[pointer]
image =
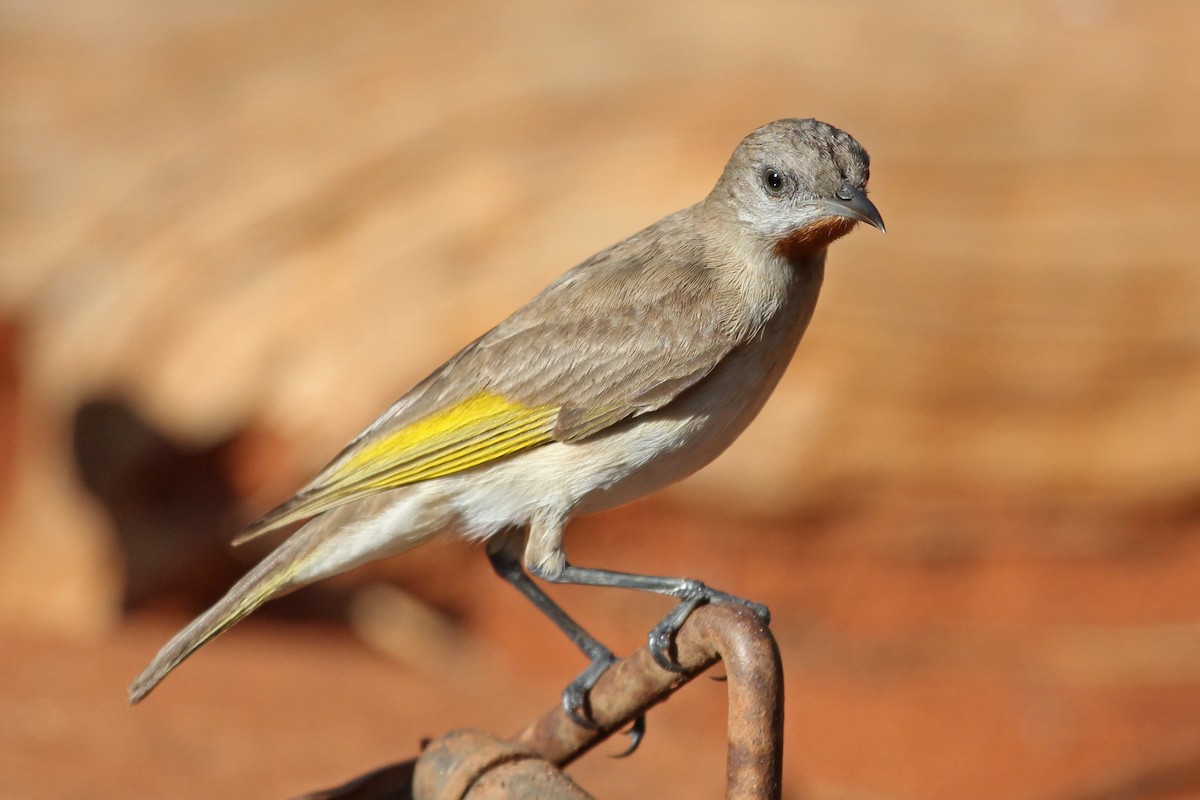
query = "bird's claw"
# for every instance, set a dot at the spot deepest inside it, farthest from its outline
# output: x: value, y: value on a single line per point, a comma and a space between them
x: 758, y: 609
x: 576, y: 704
x: 575, y: 697
x: 636, y: 732
x: 662, y: 636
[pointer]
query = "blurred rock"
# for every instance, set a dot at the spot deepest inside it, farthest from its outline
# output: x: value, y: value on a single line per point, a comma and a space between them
x: 58, y: 566
x: 172, y: 508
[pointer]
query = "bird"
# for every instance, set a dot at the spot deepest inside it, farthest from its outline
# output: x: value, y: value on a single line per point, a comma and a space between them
x: 629, y: 372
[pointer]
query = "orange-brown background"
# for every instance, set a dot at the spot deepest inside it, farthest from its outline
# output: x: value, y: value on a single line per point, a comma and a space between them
x: 231, y: 233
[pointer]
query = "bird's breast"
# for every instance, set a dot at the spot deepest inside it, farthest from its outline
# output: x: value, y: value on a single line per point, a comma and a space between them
x: 642, y: 454
x: 666, y: 445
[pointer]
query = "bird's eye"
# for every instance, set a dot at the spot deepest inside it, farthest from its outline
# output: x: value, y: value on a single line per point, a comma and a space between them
x: 773, y: 180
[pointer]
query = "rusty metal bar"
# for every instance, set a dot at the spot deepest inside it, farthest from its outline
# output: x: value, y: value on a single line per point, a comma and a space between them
x: 469, y: 765
x: 730, y: 634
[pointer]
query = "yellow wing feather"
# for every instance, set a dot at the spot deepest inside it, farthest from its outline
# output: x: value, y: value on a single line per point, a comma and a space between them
x: 479, y: 429
x: 482, y: 428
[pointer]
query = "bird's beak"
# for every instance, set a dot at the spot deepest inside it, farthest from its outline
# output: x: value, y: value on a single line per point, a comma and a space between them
x: 852, y: 203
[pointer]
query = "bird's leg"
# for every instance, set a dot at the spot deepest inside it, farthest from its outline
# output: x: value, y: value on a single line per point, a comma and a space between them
x: 504, y: 552
x: 692, y: 594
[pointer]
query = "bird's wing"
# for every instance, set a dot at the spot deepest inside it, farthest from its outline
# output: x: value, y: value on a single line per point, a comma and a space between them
x: 598, y: 346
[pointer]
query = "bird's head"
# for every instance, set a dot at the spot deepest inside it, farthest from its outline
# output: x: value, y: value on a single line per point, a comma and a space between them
x: 798, y: 184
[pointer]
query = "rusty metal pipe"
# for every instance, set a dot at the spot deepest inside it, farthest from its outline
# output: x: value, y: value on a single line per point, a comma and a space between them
x: 712, y: 633
x: 630, y: 687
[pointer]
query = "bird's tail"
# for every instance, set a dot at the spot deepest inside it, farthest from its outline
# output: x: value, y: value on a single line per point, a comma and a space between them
x: 273, y: 576
x: 384, y: 525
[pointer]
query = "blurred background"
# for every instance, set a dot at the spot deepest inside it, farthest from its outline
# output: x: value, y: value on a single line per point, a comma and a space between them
x: 232, y: 233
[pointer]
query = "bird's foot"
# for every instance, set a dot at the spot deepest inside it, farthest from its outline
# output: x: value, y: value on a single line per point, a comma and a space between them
x: 576, y: 703
x: 693, y: 595
x: 575, y: 697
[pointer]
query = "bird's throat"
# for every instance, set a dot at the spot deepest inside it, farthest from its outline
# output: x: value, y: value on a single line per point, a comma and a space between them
x: 804, y: 242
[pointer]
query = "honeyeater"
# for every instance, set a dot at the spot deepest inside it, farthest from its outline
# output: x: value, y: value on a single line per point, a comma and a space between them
x: 631, y: 371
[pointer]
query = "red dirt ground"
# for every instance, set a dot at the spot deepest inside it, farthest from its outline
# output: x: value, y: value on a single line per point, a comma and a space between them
x: 928, y: 654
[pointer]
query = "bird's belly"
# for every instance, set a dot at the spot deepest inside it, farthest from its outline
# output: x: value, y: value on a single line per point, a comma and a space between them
x: 626, y: 462
x: 657, y: 453
x: 668, y: 445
